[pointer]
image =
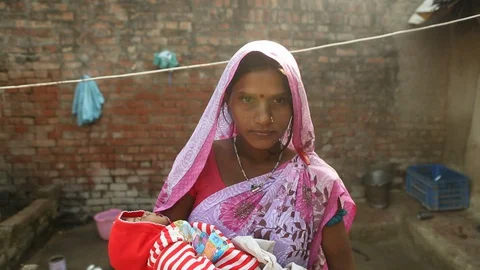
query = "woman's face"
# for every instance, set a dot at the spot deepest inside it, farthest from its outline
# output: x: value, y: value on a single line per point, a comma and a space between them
x: 261, y: 108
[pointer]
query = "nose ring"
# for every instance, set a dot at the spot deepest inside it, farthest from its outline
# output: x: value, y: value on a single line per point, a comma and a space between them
x: 271, y: 118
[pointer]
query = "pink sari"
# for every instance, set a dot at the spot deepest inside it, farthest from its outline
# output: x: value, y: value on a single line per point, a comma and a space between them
x: 294, y: 205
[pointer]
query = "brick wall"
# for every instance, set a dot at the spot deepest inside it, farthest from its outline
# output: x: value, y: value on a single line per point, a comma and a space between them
x: 357, y: 93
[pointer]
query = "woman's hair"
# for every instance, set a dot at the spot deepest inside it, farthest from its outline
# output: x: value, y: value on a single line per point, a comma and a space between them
x: 257, y: 61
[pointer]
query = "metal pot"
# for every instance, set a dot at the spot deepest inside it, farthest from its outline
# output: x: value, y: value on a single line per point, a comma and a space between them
x: 377, y: 188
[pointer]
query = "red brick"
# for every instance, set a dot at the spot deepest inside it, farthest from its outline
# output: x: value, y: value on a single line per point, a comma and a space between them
x: 71, y: 142
x: 19, y: 120
x: 120, y: 172
x: 41, y: 74
x: 39, y: 7
x: 122, y: 157
x: 19, y: 159
x: 4, y: 136
x: 142, y: 172
x: 44, y: 143
x: 132, y: 165
x: 98, y: 172
x: 101, y: 149
x: 133, y: 150
x: 61, y: 6
x: 72, y: 65
x: 346, y: 52
x: 21, y: 129
x: 186, y: 26
x: 3, y: 77
x: 69, y: 57
x: 46, y: 66
x: 73, y: 135
x: 23, y: 151
x: 143, y: 157
x: 375, y: 60
x: 63, y: 16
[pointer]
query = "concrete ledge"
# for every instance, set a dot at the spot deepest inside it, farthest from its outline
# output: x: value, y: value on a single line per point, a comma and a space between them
x: 449, y: 239
x: 49, y: 192
x: 24, y: 229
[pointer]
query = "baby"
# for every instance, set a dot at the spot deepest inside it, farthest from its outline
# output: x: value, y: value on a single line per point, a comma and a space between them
x: 144, y: 240
x: 147, y: 216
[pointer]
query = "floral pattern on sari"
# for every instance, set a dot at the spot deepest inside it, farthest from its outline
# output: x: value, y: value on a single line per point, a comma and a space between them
x: 237, y: 211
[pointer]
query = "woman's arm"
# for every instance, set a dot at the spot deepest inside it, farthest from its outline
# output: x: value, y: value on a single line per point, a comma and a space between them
x: 337, y: 248
x: 180, y: 210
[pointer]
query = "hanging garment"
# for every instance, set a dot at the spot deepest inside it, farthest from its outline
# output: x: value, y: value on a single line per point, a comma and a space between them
x: 87, y: 102
x: 165, y: 59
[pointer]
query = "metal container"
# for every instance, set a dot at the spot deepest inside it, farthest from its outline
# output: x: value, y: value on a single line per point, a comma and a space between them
x: 57, y: 262
x: 30, y: 267
x: 377, y: 188
x: 423, y: 215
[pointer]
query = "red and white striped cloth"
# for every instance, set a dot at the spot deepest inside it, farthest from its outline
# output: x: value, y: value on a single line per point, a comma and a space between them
x: 173, y: 251
x: 146, y: 245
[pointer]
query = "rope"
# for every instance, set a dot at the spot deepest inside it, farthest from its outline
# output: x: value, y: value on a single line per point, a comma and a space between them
x: 224, y: 62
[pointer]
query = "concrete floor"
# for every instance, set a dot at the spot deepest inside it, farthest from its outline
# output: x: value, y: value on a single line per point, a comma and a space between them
x: 394, y: 238
x: 391, y: 255
x: 81, y: 246
x: 381, y: 241
x: 377, y: 234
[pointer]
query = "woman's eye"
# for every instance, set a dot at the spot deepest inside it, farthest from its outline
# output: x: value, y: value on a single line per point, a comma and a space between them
x: 247, y: 99
x: 280, y: 100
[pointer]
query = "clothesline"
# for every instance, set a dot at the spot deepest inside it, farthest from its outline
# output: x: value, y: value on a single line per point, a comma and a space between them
x: 224, y: 62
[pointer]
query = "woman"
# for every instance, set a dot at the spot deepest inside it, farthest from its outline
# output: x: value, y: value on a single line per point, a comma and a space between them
x: 250, y: 167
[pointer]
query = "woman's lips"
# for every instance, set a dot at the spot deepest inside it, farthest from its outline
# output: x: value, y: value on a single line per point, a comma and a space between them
x: 262, y: 133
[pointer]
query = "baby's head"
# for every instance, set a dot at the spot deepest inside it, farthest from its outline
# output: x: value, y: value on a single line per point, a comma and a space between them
x: 150, y: 217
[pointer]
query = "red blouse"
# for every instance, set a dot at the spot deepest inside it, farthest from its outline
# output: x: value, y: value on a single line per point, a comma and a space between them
x: 208, y: 182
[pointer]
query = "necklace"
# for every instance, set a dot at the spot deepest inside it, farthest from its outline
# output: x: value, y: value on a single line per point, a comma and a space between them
x: 253, y: 187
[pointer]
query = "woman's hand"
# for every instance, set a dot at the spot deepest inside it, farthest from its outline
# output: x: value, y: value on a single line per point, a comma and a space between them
x: 337, y: 248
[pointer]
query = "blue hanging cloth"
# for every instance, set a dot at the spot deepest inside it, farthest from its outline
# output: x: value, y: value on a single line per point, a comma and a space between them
x: 166, y: 59
x: 87, y: 103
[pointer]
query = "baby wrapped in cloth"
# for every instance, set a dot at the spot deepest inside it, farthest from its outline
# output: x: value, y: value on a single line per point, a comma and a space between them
x: 143, y: 240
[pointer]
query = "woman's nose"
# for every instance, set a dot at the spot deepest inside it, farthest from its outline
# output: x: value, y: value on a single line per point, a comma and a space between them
x: 264, y: 116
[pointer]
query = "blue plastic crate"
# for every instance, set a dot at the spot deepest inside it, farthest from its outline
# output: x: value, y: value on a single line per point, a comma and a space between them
x: 437, y: 187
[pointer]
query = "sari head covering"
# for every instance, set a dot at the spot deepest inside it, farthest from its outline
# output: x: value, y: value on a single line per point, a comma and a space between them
x: 303, y: 195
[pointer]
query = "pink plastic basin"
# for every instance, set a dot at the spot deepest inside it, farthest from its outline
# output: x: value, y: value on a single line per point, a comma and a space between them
x: 104, y: 222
